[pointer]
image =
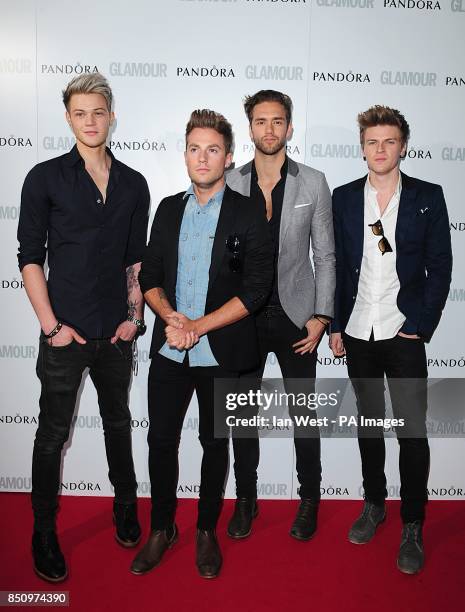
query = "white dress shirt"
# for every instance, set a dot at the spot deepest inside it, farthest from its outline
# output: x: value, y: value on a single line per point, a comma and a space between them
x: 375, y: 307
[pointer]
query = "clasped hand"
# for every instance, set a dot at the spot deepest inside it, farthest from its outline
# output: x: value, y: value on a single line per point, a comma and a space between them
x: 181, y: 332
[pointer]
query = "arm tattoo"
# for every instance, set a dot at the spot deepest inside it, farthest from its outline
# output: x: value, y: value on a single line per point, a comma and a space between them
x: 132, y: 308
x: 132, y: 279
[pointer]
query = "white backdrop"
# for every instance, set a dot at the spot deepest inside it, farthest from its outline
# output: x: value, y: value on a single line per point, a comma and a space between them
x: 165, y: 58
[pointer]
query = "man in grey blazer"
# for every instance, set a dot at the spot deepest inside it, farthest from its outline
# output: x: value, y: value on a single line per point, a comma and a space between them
x: 298, y: 208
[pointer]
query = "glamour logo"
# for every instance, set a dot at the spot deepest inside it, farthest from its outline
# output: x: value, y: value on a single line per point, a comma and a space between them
x: 58, y: 143
x: 80, y: 486
x: 453, y: 154
x: 342, y: 77
x: 13, y: 141
x: 392, y: 491
x: 344, y: 151
x: 457, y: 295
x: 17, y: 351
x: 205, y: 71
x: 18, y: 483
x: 87, y: 422
x: 137, y: 145
x: 457, y: 226
x: 138, y: 69
x: 15, y: 65
x: 18, y: 419
x: 68, y: 69
x: 347, y: 3
x: 411, y: 79
x: 457, y: 6
x: 9, y: 213
x: 429, y: 5
x: 274, y: 73
x: 272, y: 489
x: 455, y: 80
x: 14, y: 283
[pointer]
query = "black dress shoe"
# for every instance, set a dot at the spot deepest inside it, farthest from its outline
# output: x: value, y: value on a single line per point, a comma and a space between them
x: 127, y: 526
x: 208, y: 557
x: 49, y: 562
x: 304, y: 525
x: 240, y: 525
x: 152, y: 553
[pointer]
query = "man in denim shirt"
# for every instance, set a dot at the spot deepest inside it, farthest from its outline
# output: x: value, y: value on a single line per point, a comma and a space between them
x: 207, y: 268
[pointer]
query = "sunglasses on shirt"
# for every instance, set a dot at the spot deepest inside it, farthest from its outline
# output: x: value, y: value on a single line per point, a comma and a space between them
x: 383, y: 244
x: 233, y: 245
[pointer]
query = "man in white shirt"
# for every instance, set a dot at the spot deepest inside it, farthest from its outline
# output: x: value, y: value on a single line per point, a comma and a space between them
x: 393, y: 271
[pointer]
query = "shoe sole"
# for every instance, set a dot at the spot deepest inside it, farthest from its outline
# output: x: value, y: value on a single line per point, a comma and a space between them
x: 369, y: 540
x: 125, y: 543
x: 49, y: 578
x: 170, y: 545
x: 300, y: 538
x: 409, y: 572
x: 245, y: 535
x: 210, y: 576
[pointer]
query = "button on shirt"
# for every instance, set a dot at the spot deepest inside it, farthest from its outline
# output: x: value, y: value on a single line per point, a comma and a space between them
x: 277, y: 197
x: 89, y: 243
x: 196, y: 238
x: 375, y: 307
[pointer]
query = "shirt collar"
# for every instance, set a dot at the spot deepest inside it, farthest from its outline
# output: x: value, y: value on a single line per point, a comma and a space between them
x: 370, y: 190
x: 74, y: 157
x: 283, y: 171
x: 217, y: 198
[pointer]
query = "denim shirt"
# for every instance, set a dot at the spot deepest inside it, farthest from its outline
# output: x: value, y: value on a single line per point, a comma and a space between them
x: 196, y: 238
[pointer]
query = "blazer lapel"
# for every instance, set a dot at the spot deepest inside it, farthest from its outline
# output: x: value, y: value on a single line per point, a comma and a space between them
x: 179, y: 207
x: 291, y: 192
x: 406, y: 207
x: 354, y: 215
x: 224, y: 228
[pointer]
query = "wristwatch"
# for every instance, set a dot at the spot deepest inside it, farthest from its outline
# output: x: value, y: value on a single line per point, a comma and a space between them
x: 139, y: 323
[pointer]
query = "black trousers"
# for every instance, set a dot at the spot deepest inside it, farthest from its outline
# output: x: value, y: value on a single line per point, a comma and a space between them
x: 276, y: 334
x: 170, y: 390
x: 60, y: 370
x: 403, y: 360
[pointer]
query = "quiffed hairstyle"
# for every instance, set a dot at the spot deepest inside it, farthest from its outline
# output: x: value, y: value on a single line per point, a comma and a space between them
x: 205, y: 118
x: 268, y: 95
x: 383, y: 115
x: 94, y: 83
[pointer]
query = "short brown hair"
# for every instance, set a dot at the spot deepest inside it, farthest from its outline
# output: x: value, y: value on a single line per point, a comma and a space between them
x: 94, y: 83
x: 383, y: 115
x: 205, y: 118
x: 268, y: 95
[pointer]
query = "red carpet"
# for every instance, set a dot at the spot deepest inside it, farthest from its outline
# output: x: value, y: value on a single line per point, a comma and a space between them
x: 268, y: 571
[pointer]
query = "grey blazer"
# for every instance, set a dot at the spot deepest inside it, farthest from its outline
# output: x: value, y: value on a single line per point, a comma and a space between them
x: 306, y: 218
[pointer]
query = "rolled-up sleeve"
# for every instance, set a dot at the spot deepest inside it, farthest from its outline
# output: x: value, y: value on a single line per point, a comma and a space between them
x: 33, y: 219
x: 258, y: 262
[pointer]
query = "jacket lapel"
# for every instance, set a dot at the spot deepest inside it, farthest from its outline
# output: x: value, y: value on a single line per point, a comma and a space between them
x: 354, y: 215
x: 179, y: 206
x: 406, y: 207
x: 291, y: 192
x: 224, y: 228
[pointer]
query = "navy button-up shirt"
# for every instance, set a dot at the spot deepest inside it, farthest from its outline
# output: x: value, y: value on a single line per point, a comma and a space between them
x: 89, y: 243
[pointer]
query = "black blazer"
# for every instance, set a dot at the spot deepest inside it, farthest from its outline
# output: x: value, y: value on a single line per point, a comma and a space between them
x: 234, y: 346
x: 424, y: 255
